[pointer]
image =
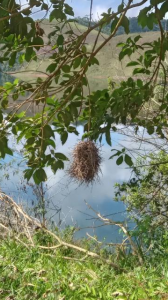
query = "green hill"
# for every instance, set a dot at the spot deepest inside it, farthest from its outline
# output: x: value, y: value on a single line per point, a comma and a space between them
x: 109, y: 66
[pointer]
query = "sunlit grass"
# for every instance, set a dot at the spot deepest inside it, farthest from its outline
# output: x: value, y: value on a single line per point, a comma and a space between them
x: 33, y: 273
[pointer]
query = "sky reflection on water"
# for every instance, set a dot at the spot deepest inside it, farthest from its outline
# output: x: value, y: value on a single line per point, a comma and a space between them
x: 69, y: 196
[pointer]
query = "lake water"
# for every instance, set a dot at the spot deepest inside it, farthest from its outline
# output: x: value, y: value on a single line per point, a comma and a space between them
x: 69, y: 198
x: 62, y: 193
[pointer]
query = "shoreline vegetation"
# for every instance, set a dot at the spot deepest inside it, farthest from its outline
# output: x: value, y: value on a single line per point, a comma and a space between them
x: 41, y: 263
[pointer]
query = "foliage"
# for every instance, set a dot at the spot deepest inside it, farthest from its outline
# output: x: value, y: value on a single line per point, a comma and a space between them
x: 64, y: 93
x: 161, y: 87
x: 146, y: 199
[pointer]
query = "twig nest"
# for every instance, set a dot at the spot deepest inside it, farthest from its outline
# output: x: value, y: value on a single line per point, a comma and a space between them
x: 86, y: 162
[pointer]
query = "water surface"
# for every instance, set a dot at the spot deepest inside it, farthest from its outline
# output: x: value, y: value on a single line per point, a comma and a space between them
x: 64, y: 194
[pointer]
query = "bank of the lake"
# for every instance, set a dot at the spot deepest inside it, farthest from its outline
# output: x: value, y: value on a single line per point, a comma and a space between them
x: 34, y: 273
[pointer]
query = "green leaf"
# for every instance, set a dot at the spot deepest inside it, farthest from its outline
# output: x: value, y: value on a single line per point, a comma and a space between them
x: 50, y: 101
x: 30, y: 141
x: 150, y: 129
x: 36, y: 3
x: 139, y: 83
x: 57, y: 77
x: 151, y: 20
x: 28, y: 174
x: 48, y: 132
x: 119, y: 160
x: 50, y: 142
x: 121, y: 7
x: 39, y: 176
x: 74, y: 110
x: 137, y: 38
x: 83, y: 63
x: 16, y: 81
x: 124, y: 52
x: 84, y: 81
x: 61, y: 156
x: 67, y: 118
x: 76, y: 62
x: 51, y: 68
x: 84, y: 49
x: 142, y: 18
x: 108, y: 137
x: 64, y: 137
x: 44, y: 6
x: 116, y: 154
x: 38, y: 42
x: 58, y: 164
x: 156, y: 2
x: 68, y: 10
x: 4, y: 103
x: 66, y: 68
x: 21, y: 58
x: 163, y: 10
x: 4, y: 12
x: 128, y: 160
x: 114, y: 23
x: 15, y: 95
x: 12, y: 59
x: 60, y: 40
x: 133, y: 63
x: 125, y: 24
x: 26, y: 12
x: 8, y: 151
x: 140, y: 71
x: 28, y: 53
x: 94, y: 61
x: 57, y: 14
x: 21, y: 114
x: 121, y: 44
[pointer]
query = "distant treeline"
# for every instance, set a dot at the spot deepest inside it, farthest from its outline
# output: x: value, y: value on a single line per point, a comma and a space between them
x: 134, y: 26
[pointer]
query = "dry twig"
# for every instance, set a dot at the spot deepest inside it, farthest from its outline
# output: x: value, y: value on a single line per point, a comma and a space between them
x: 120, y: 225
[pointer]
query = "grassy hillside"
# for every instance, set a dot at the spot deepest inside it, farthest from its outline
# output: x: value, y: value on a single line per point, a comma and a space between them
x: 108, y: 57
x: 110, y: 66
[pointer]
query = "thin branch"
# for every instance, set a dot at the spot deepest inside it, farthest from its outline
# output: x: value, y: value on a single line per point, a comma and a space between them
x: 120, y: 225
x: 15, y: 14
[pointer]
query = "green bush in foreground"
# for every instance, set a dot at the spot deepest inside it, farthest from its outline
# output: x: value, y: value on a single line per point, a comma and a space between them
x: 33, y: 273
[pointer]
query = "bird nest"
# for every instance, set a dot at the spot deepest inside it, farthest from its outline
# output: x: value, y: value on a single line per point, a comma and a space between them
x: 86, y: 162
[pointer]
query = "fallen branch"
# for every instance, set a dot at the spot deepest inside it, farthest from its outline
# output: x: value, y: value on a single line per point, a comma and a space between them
x: 19, y: 222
